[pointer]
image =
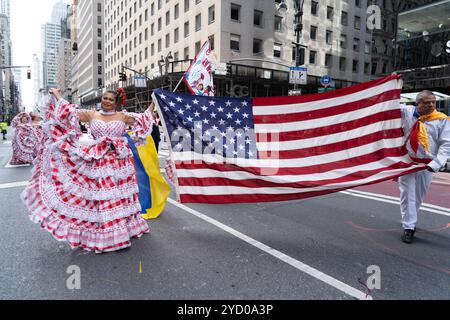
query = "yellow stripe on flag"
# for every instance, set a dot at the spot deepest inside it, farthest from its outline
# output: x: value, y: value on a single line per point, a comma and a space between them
x: 160, y: 189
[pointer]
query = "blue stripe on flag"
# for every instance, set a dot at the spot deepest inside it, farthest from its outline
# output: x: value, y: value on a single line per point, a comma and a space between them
x: 145, y: 197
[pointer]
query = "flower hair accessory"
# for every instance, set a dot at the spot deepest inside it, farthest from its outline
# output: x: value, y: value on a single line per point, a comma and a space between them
x: 121, y: 97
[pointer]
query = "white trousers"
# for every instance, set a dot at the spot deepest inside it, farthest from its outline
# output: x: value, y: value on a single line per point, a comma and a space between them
x: 413, y: 189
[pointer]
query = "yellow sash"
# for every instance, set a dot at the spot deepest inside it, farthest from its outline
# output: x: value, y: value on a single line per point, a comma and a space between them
x: 422, y: 134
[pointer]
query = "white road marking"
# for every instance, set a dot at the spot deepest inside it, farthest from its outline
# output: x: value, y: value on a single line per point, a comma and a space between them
x: 279, y: 255
x: 13, y: 185
x: 394, y: 200
x: 9, y: 166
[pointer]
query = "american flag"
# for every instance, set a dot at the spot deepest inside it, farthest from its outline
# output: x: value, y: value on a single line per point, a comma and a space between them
x: 242, y: 150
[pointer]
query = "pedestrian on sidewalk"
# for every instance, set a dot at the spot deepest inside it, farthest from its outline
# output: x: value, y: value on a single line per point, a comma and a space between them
x: 428, y: 142
x: 4, y: 129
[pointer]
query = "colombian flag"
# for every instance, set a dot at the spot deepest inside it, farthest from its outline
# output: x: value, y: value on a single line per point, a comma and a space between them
x: 153, y: 188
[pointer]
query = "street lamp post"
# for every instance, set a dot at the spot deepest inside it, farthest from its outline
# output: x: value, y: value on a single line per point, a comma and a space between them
x: 298, y: 30
x: 298, y: 27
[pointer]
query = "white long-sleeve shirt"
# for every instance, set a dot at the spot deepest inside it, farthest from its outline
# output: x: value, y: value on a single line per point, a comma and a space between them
x: 438, y: 132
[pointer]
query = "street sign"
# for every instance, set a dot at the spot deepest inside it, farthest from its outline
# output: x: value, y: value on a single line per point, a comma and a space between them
x: 298, y: 75
x: 326, y: 89
x: 219, y: 68
x: 140, y: 81
x: 297, y: 92
x: 326, y: 81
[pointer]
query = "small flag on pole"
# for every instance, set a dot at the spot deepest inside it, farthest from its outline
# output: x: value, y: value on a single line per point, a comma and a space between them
x: 198, y: 77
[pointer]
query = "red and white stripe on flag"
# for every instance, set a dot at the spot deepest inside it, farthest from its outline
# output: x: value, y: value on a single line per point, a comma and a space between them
x: 323, y: 143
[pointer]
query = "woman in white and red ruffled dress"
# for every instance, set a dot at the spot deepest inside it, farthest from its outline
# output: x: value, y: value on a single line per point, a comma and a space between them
x: 86, y: 193
x: 23, y: 141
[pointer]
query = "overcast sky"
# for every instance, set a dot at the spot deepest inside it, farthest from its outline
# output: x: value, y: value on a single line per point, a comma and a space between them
x: 27, y: 16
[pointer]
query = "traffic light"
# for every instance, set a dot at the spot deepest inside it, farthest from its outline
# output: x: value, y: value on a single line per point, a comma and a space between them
x: 228, y: 68
x: 300, y: 58
x: 122, y: 76
x: 28, y: 74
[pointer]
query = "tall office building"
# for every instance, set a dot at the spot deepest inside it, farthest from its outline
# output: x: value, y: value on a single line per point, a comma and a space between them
x: 87, y: 65
x: 5, y: 7
x: 37, y: 78
x: 255, y: 33
x: 59, y: 12
x: 51, y: 35
x: 65, y: 55
x: 6, y: 76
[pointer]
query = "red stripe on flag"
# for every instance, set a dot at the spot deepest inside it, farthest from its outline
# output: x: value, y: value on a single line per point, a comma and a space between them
x: 331, y: 129
x: 333, y: 147
x: 254, y: 198
x: 258, y: 183
x: 316, y: 168
x: 328, y: 112
x: 271, y: 101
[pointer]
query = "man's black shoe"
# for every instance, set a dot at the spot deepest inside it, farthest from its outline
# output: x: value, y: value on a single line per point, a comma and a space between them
x: 408, y: 236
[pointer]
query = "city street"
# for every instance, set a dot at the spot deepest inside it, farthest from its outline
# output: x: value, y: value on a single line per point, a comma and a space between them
x: 320, y: 248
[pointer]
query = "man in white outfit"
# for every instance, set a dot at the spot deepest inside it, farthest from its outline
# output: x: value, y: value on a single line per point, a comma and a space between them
x: 429, y: 139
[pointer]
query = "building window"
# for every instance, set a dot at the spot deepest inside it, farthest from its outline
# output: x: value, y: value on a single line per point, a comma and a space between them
x: 329, y: 37
x: 234, y: 42
x: 344, y: 18
x: 343, y: 41
x: 197, y: 47
x: 186, y: 29
x: 211, y: 42
x: 99, y: 57
x: 167, y: 40
x: 159, y: 45
x: 176, y: 12
x: 330, y: 13
x: 355, y: 66
x: 314, y: 7
x: 198, y: 22
x: 186, y: 53
x: 167, y: 18
x: 211, y: 14
x: 186, y: 5
x: 278, y: 23
x: 235, y: 12
x: 328, y: 60
x: 257, y: 46
x: 367, y: 48
x: 355, y: 44
x: 277, y: 50
x: 367, y: 68
x: 313, y: 33
x: 357, y: 23
x: 159, y: 24
x: 358, y: 3
x: 257, y: 18
x: 342, y: 63
x: 312, y: 57
x: 176, y: 35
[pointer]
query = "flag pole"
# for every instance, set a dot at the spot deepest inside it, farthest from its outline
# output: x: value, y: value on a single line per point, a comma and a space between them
x: 181, y: 80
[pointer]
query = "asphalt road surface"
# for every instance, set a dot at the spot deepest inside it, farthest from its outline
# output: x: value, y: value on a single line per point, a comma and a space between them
x: 342, y: 246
